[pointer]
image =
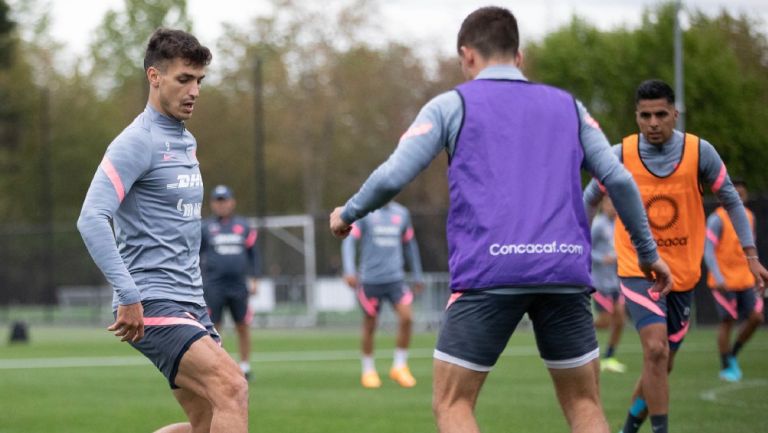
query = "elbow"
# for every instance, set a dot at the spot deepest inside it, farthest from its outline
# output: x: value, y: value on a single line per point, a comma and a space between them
x: 82, y: 222
x: 390, y: 186
x: 621, y: 179
x: 87, y: 219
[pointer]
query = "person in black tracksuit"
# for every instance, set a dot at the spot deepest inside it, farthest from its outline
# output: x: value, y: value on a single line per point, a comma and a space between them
x: 230, y: 262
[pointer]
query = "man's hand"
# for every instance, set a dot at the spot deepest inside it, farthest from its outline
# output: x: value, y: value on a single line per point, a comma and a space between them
x: 757, y: 269
x: 253, y: 286
x: 339, y: 228
x: 129, y: 324
x: 659, y: 273
x: 760, y: 273
x: 417, y: 287
x: 351, y: 281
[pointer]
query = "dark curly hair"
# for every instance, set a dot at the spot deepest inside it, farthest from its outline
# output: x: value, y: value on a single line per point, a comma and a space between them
x: 168, y: 44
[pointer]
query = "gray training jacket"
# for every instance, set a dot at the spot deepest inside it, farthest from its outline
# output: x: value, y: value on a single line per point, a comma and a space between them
x: 149, y: 187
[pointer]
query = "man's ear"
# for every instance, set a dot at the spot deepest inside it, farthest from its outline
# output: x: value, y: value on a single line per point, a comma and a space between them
x: 153, y: 76
x: 519, y: 59
x: 468, y: 56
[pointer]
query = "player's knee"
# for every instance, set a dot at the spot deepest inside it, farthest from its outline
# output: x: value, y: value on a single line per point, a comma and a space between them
x: 757, y: 317
x: 233, y: 392
x: 406, y: 320
x: 657, y: 352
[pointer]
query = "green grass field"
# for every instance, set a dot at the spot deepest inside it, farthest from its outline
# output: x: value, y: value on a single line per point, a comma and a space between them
x: 83, y: 380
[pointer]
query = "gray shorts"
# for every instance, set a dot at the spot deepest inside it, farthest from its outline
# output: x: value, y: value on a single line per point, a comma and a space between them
x: 673, y: 310
x: 371, y: 296
x: 737, y: 305
x: 170, y: 327
x: 477, y: 326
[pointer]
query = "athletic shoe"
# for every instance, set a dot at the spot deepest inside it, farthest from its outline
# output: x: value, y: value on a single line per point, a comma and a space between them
x: 613, y: 365
x: 733, y: 365
x: 370, y: 379
x: 402, y: 376
x: 245, y: 367
x: 728, y: 375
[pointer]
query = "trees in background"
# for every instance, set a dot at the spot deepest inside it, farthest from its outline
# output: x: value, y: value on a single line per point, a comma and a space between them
x: 726, y: 78
x: 334, y: 103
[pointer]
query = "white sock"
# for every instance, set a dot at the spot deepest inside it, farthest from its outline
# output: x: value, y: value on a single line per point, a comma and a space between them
x: 368, y: 364
x: 401, y: 358
x: 245, y: 366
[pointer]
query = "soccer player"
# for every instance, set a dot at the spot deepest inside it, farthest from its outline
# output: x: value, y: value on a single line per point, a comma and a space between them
x: 230, y: 264
x: 385, y: 237
x: 517, y: 229
x: 732, y: 284
x: 668, y: 166
x: 608, y: 300
x: 148, y: 187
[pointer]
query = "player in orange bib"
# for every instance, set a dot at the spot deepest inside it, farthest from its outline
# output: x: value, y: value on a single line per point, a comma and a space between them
x: 732, y: 286
x: 669, y: 168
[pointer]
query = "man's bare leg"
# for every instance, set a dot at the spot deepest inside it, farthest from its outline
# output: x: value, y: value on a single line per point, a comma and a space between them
x: 455, y: 391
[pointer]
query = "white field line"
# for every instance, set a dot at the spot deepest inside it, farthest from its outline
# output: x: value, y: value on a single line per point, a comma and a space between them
x: 715, y: 395
x: 294, y: 356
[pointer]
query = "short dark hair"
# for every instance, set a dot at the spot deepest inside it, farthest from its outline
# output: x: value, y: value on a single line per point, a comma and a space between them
x: 654, y: 89
x: 491, y: 31
x: 168, y: 44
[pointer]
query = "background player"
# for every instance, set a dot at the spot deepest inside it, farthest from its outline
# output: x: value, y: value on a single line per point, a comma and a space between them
x: 230, y: 263
x: 608, y: 300
x: 149, y: 188
x: 668, y: 167
x: 732, y: 284
x: 385, y: 236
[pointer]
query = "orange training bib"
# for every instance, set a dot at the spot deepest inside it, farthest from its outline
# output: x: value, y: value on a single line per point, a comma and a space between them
x: 730, y: 256
x: 675, y: 212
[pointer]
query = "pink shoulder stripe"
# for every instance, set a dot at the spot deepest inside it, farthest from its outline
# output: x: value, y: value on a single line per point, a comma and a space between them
x: 408, y: 235
x: 417, y: 130
x: 642, y: 301
x: 171, y: 321
x: 114, y: 177
x: 713, y: 237
x: 720, y: 179
x: 251, y: 239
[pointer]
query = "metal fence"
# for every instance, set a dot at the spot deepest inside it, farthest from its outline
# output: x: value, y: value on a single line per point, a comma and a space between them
x: 47, y: 275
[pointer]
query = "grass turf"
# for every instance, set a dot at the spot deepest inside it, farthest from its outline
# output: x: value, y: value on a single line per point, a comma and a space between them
x: 308, y: 381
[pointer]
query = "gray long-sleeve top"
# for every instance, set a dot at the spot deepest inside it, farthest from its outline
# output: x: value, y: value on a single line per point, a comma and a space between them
x: 435, y: 130
x: 386, y: 238
x: 662, y: 160
x: 149, y: 188
x: 604, y: 274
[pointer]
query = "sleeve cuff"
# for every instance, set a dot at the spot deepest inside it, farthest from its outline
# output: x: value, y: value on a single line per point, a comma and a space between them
x: 128, y: 297
x: 346, y: 217
x: 648, y: 258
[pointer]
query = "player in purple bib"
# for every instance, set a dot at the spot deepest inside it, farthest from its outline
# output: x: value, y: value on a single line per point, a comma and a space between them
x: 517, y: 231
